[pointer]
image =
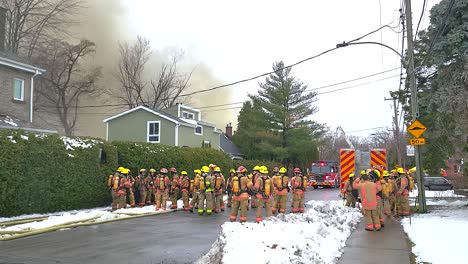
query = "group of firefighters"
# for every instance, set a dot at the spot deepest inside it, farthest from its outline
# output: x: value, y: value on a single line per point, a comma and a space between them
x: 258, y: 189
x: 379, y: 194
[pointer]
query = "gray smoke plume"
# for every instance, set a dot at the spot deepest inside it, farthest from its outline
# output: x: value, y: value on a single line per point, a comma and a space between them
x: 105, y: 22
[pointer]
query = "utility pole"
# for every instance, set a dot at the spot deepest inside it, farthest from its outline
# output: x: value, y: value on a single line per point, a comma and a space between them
x: 396, y: 132
x: 414, y: 105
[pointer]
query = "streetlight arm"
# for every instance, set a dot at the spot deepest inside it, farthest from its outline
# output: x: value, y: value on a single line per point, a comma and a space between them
x: 345, y: 44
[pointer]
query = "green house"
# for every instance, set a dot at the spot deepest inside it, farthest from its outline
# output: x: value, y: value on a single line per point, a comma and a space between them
x: 177, y: 126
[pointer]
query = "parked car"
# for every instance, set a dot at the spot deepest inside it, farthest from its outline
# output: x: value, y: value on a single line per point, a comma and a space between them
x: 437, y: 184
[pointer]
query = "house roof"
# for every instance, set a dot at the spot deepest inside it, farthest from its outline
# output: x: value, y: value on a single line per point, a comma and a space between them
x: 141, y: 107
x: 164, y: 115
x: 10, y: 122
x: 12, y: 60
x: 228, y: 146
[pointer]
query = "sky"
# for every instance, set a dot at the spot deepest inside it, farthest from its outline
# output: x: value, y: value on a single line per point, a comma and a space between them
x: 234, y: 40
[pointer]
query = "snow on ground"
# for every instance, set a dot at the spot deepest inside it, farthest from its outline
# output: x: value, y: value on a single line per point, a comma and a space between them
x: 436, y: 194
x: 10, y: 121
x: 76, y: 215
x: 439, y: 236
x: 316, y: 236
x: 457, y: 203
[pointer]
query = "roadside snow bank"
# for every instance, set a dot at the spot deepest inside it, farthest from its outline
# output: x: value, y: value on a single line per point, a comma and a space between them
x: 439, y: 236
x: 457, y: 203
x: 60, y: 218
x: 316, y: 236
x: 436, y: 194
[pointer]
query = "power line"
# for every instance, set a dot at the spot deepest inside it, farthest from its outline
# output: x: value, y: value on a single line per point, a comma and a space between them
x: 357, y: 85
x: 366, y: 129
x: 420, y: 19
x: 251, y: 78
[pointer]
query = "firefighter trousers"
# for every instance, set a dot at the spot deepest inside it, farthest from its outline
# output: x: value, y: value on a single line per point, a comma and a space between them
x: 282, y: 199
x: 372, y: 219
x: 194, y: 201
x: 173, y: 197
x: 202, y: 196
x: 229, y: 199
x: 116, y: 201
x: 131, y: 197
x: 239, y: 204
x: 403, y: 207
x: 218, y: 202
x: 298, y: 202
x: 380, y: 211
x: 258, y: 212
x: 185, y: 199
x: 142, y: 197
x: 161, y: 200
x: 387, y: 206
x: 149, y: 196
x: 253, y: 201
x: 350, y: 200
x: 122, y: 201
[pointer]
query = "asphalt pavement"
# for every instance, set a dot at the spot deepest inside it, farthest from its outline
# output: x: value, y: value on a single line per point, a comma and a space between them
x: 179, y: 237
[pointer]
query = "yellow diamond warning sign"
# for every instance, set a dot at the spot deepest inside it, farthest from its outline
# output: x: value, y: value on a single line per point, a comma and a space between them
x: 416, y: 129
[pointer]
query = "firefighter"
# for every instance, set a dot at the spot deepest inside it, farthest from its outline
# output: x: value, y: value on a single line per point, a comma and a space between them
x: 232, y: 172
x: 392, y: 190
x: 130, y: 192
x: 298, y: 185
x: 380, y: 197
x: 240, y: 198
x: 162, y: 183
x: 195, y: 184
x: 141, y: 187
x: 368, y: 193
x: 264, y: 190
x: 124, y: 188
x: 185, y: 189
x: 253, y: 178
x: 219, y: 185
x: 149, y: 183
x: 281, y: 184
x: 205, y: 192
x: 351, y: 194
x: 113, y: 183
x: 386, y: 192
x: 174, y: 187
x: 402, y: 182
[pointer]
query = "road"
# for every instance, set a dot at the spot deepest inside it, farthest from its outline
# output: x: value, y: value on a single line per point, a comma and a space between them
x: 180, y: 237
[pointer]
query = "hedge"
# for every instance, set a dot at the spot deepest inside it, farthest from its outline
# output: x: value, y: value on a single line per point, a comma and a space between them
x: 39, y: 175
x: 134, y: 156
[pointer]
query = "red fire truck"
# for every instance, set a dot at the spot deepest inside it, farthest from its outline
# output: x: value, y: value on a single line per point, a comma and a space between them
x: 325, y: 174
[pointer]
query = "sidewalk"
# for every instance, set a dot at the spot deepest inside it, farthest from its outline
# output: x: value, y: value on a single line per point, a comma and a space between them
x: 386, y: 246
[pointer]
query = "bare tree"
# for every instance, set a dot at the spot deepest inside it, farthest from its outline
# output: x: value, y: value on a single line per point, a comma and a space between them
x: 66, y: 81
x: 30, y: 23
x: 161, y: 92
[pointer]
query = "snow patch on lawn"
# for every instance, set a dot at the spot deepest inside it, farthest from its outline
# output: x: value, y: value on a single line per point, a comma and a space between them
x: 439, y: 236
x: 436, y: 194
x: 316, y: 236
x: 11, y: 139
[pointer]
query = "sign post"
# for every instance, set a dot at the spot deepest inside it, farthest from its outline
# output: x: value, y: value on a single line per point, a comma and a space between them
x: 417, y: 129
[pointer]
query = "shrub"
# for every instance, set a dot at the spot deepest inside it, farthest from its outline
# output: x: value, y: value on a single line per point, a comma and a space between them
x: 40, y: 175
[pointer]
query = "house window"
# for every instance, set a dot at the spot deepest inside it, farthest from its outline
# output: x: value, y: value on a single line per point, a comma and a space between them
x: 188, y: 115
x: 153, y: 134
x: 199, y: 130
x: 18, y: 90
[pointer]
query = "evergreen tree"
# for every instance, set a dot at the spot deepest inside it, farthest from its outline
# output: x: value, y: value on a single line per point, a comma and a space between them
x: 275, y: 124
x: 442, y: 54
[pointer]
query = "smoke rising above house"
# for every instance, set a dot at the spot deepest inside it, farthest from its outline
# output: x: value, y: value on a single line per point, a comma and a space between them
x: 106, y: 22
